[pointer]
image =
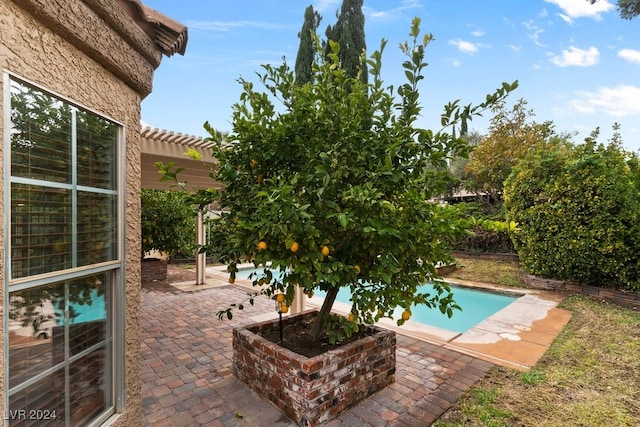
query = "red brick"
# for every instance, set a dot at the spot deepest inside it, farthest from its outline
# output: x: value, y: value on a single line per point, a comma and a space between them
x: 321, y: 387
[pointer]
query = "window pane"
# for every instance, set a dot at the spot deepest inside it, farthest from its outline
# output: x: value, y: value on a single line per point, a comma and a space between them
x: 38, y: 342
x: 35, y: 316
x: 90, y: 390
x: 97, y: 143
x: 41, y: 230
x: 40, y: 135
x: 97, y: 228
x: 89, y: 394
x: 46, y: 395
x: 87, y: 312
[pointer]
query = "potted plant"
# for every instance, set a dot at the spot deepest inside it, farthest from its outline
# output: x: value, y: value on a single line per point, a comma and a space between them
x: 168, y: 227
x: 331, y: 189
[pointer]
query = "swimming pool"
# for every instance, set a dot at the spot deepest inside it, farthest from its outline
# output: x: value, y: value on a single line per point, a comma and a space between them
x: 477, y: 305
x: 84, y: 312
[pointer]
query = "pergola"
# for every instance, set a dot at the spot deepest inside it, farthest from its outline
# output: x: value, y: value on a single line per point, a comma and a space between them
x: 164, y: 146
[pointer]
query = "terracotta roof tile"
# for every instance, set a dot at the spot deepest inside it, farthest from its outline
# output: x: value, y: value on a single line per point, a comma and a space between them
x: 169, y: 35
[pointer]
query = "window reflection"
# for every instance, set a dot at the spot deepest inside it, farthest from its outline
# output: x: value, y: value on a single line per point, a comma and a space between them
x: 40, y: 135
x: 33, y: 319
x: 41, y: 230
x: 56, y: 330
x: 46, y: 395
x: 64, y: 173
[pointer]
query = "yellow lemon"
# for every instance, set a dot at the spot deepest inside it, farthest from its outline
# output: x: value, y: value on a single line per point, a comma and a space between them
x: 325, y: 251
x: 280, y: 298
x: 351, y: 317
x: 294, y: 247
x: 406, y: 315
x: 357, y: 267
x: 284, y: 308
x: 262, y: 245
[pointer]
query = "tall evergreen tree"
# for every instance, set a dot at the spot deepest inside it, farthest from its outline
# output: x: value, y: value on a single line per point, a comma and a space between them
x: 306, y: 50
x: 348, y: 32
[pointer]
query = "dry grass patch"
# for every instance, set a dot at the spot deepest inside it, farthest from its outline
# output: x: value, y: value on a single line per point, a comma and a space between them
x: 503, y: 273
x: 589, y: 377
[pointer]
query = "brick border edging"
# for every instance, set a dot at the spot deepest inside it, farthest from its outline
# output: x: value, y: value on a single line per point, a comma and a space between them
x: 621, y: 298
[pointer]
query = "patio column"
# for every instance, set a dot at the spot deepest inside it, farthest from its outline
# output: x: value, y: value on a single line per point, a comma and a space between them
x: 201, y: 257
x: 297, y: 305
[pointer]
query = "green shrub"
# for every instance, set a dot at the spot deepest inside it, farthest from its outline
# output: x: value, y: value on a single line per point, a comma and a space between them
x: 486, y: 236
x: 168, y: 223
x: 577, y: 213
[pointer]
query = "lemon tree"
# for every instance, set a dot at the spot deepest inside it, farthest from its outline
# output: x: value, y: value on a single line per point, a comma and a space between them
x: 330, y: 183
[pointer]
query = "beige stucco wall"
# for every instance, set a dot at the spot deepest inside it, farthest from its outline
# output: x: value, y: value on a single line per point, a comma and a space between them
x: 30, y: 49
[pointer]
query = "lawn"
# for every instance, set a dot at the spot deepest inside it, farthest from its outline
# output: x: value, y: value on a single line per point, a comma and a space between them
x: 503, y: 273
x: 590, y: 376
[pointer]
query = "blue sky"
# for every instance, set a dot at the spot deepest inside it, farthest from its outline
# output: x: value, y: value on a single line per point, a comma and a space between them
x: 578, y: 64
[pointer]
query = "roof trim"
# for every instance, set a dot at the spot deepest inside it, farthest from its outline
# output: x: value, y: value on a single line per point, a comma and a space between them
x: 169, y: 35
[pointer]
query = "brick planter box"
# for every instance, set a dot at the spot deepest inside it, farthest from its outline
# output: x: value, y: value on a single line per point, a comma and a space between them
x: 153, y: 269
x: 311, y: 390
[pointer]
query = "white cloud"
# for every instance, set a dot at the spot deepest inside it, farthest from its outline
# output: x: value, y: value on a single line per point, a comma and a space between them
x: 226, y: 26
x: 515, y: 48
x: 573, y: 9
x: 393, y: 12
x: 326, y: 5
x: 577, y: 57
x: 534, y: 32
x: 465, y: 46
x: 453, y: 62
x: 478, y: 33
x: 618, y: 101
x: 630, y: 55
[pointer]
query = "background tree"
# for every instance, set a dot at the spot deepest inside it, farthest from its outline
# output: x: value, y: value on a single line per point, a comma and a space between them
x: 458, y: 163
x: 332, y: 188
x: 168, y: 224
x: 348, y: 32
x: 577, y: 213
x: 510, y: 137
x: 628, y: 9
x: 306, y: 50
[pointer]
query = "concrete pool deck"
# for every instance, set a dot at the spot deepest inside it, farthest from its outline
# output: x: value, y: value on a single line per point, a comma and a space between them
x: 516, y: 336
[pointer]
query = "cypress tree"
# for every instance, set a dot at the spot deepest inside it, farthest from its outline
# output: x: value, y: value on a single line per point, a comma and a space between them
x: 306, y: 50
x: 348, y: 32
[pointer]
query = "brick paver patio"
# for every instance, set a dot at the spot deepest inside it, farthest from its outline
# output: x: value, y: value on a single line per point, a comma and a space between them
x: 187, y: 377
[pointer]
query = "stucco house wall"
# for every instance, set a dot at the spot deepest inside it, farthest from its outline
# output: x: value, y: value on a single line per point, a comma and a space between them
x: 95, y: 53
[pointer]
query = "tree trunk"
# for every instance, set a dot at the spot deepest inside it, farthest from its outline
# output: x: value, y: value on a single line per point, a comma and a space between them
x: 326, y: 309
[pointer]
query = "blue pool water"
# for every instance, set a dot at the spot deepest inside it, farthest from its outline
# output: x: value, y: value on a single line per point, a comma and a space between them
x: 85, y: 312
x: 477, y: 305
